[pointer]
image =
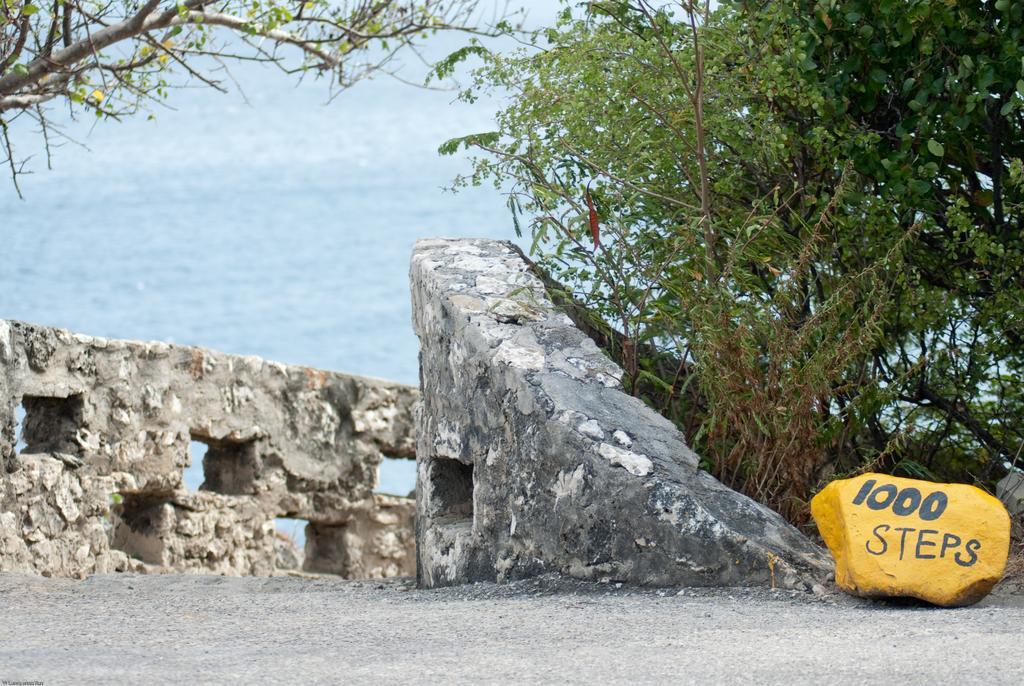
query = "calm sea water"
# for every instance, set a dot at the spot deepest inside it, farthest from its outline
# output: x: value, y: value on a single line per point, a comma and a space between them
x: 279, y: 226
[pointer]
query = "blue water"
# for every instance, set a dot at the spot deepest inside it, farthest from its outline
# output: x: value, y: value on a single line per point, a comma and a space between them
x: 274, y: 224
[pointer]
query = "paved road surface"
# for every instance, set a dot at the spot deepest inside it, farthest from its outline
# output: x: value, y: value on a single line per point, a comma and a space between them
x: 126, y: 629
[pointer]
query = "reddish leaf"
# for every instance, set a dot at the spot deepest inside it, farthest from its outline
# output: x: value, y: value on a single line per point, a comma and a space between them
x: 595, y: 228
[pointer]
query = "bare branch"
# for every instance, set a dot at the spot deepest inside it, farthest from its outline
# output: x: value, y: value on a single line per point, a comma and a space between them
x: 239, y: 24
x: 57, y: 54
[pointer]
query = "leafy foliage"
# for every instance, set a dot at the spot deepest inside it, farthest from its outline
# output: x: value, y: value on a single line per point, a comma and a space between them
x: 809, y: 218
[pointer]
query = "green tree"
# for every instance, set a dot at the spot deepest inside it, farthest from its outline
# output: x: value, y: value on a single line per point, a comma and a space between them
x: 804, y: 220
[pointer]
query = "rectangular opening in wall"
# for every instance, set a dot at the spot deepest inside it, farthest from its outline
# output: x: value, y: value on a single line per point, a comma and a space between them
x: 326, y: 549
x: 451, y: 489
x: 19, y: 427
x: 289, y: 543
x: 229, y: 467
x: 51, y: 425
x: 192, y: 477
x: 396, y: 476
x: 140, y: 524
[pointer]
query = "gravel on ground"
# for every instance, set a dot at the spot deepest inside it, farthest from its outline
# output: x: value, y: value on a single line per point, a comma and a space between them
x: 178, y: 629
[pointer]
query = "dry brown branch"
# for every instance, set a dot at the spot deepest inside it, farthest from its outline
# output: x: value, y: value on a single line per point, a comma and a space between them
x: 98, y: 57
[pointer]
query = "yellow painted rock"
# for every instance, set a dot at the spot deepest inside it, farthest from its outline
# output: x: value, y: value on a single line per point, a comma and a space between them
x: 943, y: 543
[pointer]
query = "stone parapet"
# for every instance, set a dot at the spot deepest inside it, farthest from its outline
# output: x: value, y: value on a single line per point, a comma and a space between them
x: 531, y: 459
x: 97, y: 485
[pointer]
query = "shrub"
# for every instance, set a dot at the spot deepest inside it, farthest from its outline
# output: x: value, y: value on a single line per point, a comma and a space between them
x: 804, y: 220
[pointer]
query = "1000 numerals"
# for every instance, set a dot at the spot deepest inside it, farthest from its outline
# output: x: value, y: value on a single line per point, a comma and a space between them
x: 904, y: 502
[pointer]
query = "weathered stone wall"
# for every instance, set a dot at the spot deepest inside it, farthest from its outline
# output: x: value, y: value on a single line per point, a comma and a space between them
x: 531, y: 459
x: 56, y: 520
x: 98, y: 485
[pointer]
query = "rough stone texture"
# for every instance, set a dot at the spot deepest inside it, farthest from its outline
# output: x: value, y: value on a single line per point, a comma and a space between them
x: 945, y: 544
x: 109, y: 423
x: 7, y: 403
x: 379, y: 544
x: 199, y: 532
x: 531, y: 459
x: 55, y: 520
x: 288, y: 556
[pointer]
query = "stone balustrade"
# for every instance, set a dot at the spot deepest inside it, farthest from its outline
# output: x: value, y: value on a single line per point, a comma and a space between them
x: 97, y: 484
x: 533, y: 460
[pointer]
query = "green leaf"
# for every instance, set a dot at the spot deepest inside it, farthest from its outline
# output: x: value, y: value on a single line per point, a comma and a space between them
x: 29, y: 10
x: 20, y: 69
x: 935, y: 148
x: 914, y: 469
x: 446, y: 67
x: 986, y: 79
x: 450, y: 147
x: 879, y: 75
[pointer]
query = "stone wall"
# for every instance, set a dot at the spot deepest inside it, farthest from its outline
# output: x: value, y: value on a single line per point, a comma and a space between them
x: 98, y: 487
x: 531, y: 459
